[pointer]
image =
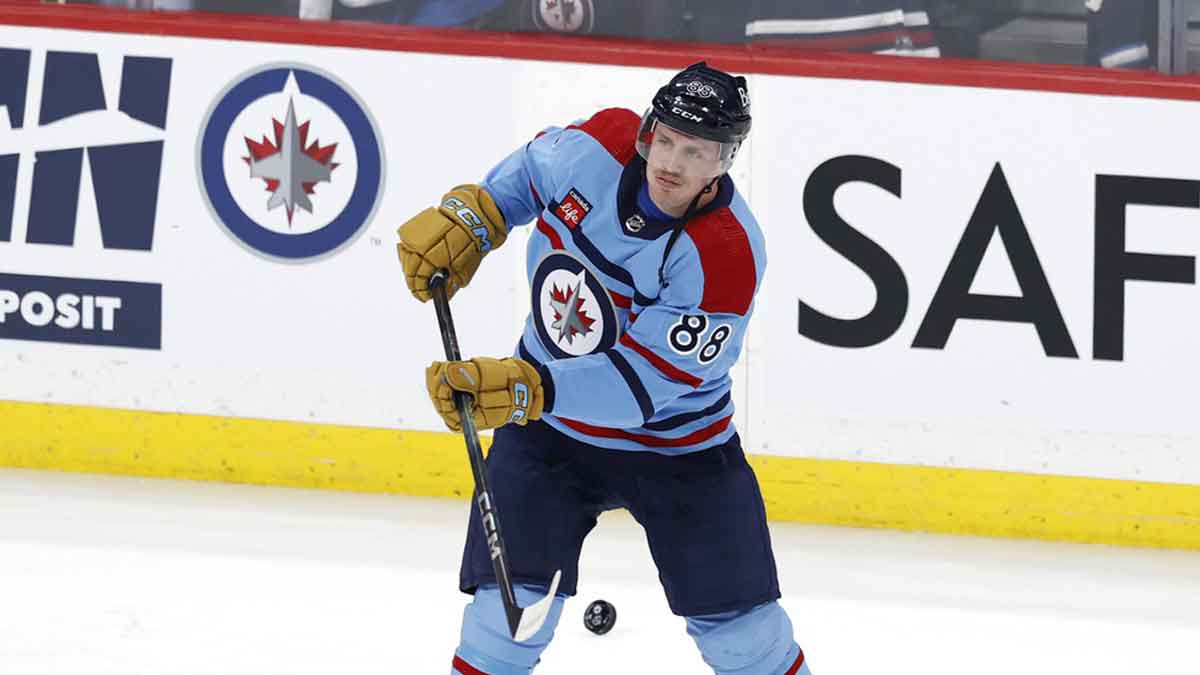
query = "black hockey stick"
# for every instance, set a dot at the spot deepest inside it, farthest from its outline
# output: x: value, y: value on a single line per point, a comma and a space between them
x: 522, y: 622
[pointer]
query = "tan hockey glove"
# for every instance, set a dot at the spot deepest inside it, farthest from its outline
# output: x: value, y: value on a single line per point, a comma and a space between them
x: 454, y: 236
x: 505, y: 390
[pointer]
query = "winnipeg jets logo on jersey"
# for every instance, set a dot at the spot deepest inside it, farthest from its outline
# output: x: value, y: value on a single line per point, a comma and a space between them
x: 267, y: 162
x: 572, y: 311
x: 570, y: 316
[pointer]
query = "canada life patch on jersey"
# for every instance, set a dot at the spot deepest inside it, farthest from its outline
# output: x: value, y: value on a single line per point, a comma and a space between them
x: 290, y: 162
x: 573, y: 208
x: 573, y: 313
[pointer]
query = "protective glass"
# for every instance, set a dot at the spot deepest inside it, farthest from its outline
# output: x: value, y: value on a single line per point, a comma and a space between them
x: 665, y: 146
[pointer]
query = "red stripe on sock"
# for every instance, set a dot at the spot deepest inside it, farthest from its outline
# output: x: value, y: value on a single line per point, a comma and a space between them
x: 467, y: 669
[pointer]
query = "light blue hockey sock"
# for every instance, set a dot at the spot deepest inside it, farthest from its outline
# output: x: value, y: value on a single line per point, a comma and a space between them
x: 750, y: 642
x: 486, y: 646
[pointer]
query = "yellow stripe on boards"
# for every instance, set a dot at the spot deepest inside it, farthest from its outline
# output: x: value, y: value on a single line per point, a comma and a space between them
x: 977, y: 502
x: 232, y: 449
x: 861, y: 494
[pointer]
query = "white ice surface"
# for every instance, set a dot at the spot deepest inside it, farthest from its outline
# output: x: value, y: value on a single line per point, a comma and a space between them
x: 129, y: 576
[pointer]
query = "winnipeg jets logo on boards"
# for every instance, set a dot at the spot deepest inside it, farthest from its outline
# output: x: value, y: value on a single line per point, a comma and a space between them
x: 290, y: 167
x: 573, y: 313
x: 290, y: 162
x: 564, y: 16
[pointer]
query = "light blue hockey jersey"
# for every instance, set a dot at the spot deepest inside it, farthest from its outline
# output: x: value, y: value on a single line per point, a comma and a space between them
x: 628, y: 362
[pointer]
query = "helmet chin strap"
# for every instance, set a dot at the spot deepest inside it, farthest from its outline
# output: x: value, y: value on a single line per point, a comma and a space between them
x: 680, y: 225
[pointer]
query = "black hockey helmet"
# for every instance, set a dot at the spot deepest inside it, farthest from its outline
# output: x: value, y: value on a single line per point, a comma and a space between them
x: 703, y: 102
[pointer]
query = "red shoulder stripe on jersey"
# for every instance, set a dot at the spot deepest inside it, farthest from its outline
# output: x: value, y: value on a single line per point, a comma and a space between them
x: 467, y: 669
x: 795, y: 666
x: 698, y: 436
x: 622, y: 301
x: 727, y: 261
x: 548, y: 230
x: 615, y: 129
x: 662, y: 364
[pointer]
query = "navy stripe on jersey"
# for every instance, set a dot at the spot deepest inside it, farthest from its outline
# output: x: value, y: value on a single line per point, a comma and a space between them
x: 643, y: 300
x: 679, y: 420
x: 622, y: 366
x: 547, y: 384
x: 635, y: 383
x: 593, y: 254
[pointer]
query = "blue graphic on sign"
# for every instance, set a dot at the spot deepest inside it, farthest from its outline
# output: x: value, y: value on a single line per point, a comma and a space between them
x: 125, y: 176
x: 14, y: 63
x: 290, y: 168
x: 81, y: 311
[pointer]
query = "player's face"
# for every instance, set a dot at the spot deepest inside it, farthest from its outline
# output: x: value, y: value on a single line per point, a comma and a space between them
x: 679, y: 166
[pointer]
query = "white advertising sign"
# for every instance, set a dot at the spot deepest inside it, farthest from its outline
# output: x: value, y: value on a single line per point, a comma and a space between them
x: 978, y: 278
x: 958, y: 277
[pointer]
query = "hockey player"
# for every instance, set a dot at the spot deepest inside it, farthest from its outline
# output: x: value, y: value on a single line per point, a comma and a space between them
x: 643, y: 273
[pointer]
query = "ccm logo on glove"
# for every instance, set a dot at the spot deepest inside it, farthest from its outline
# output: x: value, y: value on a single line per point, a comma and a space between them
x: 472, y: 220
x: 454, y: 237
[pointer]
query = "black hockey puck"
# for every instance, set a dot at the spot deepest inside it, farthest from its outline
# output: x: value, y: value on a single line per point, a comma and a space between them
x: 600, y: 617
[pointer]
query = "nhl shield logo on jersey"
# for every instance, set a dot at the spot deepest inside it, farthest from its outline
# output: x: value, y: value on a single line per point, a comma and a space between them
x: 572, y: 311
x: 290, y: 162
x: 564, y: 16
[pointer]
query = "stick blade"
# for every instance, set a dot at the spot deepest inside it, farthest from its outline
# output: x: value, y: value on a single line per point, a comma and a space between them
x: 533, y: 616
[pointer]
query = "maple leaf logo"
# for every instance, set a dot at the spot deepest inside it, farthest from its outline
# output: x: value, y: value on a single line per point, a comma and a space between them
x: 290, y: 166
x: 570, y: 319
